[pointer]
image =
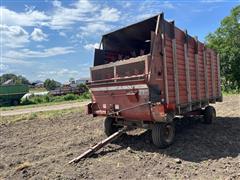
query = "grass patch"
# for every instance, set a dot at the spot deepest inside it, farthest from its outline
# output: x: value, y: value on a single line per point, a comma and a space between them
x: 40, y: 115
x: 230, y: 93
x: 36, y: 101
x: 49, y: 98
x: 39, y: 105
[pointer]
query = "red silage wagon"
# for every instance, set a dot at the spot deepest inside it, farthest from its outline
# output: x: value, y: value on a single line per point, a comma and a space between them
x: 147, y: 74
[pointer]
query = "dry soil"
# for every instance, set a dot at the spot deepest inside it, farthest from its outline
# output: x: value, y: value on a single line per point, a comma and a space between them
x: 41, y: 149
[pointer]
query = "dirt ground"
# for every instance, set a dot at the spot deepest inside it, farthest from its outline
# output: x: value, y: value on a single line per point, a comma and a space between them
x: 52, y: 107
x: 41, y: 149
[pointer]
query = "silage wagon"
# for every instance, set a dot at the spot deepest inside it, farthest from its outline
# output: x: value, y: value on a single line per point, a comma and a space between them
x: 148, y: 74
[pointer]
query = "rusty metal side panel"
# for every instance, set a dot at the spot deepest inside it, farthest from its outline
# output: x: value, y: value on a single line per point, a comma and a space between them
x: 170, y: 69
x: 120, y: 97
x: 197, y: 82
x: 218, y: 77
x: 201, y: 70
x: 180, y: 38
x: 192, y: 69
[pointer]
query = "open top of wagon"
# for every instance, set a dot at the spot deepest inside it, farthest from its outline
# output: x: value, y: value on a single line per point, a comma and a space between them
x: 148, y: 73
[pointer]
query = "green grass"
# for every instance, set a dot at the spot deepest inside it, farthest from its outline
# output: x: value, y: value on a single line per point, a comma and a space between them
x: 39, y: 115
x: 49, y: 98
x: 36, y: 101
x: 40, y: 105
x: 230, y: 93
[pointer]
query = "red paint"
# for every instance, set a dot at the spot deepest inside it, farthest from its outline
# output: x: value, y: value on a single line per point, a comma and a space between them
x: 148, y: 70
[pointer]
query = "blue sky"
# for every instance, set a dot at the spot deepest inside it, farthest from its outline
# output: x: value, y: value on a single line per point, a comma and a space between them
x: 55, y: 39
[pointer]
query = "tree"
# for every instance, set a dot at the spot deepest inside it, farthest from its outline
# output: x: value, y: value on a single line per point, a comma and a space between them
x: 50, y: 84
x: 72, y: 80
x: 83, y: 87
x: 226, y: 41
x: 16, y: 79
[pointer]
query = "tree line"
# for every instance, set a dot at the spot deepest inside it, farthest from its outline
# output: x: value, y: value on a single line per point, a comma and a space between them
x: 226, y: 41
x: 49, y: 84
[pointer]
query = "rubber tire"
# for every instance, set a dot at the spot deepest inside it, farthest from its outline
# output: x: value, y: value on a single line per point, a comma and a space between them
x: 158, y: 137
x: 209, y: 115
x: 109, y: 127
x: 178, y: 124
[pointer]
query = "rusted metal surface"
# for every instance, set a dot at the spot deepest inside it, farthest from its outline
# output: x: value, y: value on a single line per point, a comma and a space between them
x: 205, y: 74
x: 218, y: 76
x: 187, y: 75
x: 153, y: 62
x: 196, y: 61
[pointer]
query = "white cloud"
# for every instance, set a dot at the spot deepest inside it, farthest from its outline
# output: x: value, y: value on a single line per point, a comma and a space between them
x: 27, y: 53
x: 153, y: 8
x: 64, y: 17
x: 143, y: 16
x: 57, y: 3
x: 85, y: 5
x: 38, y: 35
x: 60, y: 18
x: 151, y: 5
x: 40, y: 46
x: 28, y: 18
x: 210, y: 9
x: 212, y: 1
x: 3, y: 68
x: 62, y: 34
x: 127, y: 4
x: 13, y: 36
x: 94, y: 28
x: 12, y: 60
x: 167, y: 5
x: 109, y: 14
x: 91, y: 46
x: 59, y: 73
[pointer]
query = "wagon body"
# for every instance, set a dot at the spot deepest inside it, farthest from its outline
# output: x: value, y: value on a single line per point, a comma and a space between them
x: 150, y: 70
x: 12, y: 94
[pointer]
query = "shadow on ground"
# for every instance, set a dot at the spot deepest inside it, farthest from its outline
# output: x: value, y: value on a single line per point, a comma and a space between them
x: 196, y: 142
